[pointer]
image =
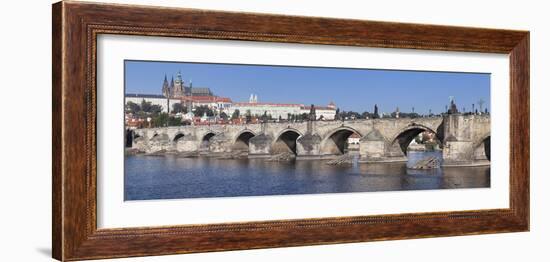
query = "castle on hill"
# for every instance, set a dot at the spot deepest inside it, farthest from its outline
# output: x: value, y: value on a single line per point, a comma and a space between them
x: 176, y: 88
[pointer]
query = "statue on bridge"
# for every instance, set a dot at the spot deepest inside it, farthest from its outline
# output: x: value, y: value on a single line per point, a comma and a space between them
x: 312, y: 114
x: 453, y: 109
x: 376, y: 115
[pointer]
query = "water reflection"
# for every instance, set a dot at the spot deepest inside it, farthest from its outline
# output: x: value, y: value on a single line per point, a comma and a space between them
x: 170, y: 177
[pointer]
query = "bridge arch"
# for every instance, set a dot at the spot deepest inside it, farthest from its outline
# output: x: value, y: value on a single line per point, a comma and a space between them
x: 129, y: 137
x: 405, y: 136
x: 336, y: 141
x: 138, y: 138
x: 205, y: 140
x: 178, y: 136
x: 242, y: 140
x: 482, y: 148
x: 207, y: 136
x: 285, y: 141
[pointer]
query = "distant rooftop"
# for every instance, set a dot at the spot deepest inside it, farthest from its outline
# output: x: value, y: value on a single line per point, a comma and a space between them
x: 206, y: 99
x: 320, y: 107
x: 201, y: 91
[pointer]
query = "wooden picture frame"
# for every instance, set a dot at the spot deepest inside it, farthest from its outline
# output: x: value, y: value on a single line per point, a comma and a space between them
x: 76, y: 26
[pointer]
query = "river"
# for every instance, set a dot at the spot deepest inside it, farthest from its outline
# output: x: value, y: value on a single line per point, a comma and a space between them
x: 171, y: 177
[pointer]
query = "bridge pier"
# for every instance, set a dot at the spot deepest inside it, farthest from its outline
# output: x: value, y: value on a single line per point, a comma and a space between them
x: 459, y: 148
x: 260, y: 146
x: 187, y: 144
x: 140, y: 144
x: 483, y: 151
x: 219, y: 144
x: 159, y: 142
x: 373, y: 148
x: 308, y: 146
x: 457, y: 153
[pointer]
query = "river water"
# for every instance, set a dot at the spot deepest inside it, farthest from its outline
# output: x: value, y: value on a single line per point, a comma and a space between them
x: 170, y: 177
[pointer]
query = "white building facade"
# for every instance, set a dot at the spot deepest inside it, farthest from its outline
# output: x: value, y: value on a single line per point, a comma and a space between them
x: 224, y: 104
x: 258, y: 109
x: 159, y: 100
x: 281, y: 111
x: 321, y: 112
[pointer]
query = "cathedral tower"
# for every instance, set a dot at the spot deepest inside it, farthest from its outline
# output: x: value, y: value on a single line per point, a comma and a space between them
x: 172, y: 87
x: 178, y: 86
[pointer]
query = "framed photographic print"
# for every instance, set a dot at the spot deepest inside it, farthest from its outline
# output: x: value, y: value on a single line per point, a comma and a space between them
x: 181, y: 130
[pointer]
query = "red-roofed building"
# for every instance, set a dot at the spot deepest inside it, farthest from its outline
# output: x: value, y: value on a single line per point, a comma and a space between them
x: 353, y: 142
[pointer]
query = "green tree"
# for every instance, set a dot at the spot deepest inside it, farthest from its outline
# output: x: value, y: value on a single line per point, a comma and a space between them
x: 145, y: 106
x: 178, y: 108
x: 174, y: 121
x: 201, y: 110
x: 224, y: 116
x: 141, y: 114
x: 148, y: 107
x: 366, y: 115
x: 350, y: 115
x: 160, y: 120
x: 248, y: 116
x: 132, y: 107
x: 155, y: 109
x: 236, y: 114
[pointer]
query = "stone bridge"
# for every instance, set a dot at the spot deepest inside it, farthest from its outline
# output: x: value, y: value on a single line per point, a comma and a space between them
x: 464, y: 139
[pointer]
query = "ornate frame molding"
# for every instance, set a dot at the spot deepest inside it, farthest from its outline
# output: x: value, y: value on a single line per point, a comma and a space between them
x: 76, y: 26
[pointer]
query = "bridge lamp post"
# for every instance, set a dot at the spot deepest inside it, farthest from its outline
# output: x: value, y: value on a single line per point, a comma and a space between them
x: 480, y: 103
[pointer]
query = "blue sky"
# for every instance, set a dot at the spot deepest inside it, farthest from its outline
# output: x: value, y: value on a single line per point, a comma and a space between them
x: 350, y: 89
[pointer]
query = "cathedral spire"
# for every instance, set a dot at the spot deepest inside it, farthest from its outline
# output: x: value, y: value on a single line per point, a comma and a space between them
x: 165, y: 87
